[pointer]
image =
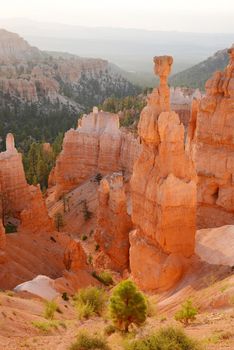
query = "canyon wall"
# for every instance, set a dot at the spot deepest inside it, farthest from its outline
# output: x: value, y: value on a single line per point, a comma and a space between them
x: 163, y: 189
x: 211, y: 139
x: 96, y: 146
x: 2, y: 233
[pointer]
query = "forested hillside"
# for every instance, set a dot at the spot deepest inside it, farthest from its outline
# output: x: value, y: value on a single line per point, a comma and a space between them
x: 196, y: 76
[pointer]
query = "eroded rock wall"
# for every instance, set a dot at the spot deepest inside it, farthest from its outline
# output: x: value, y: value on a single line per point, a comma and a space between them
x: 211, y: 134
x: 96, y: 146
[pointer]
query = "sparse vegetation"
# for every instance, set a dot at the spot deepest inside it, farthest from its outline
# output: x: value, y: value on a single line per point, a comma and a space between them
x: 90, y: 259
x: 46, y: 326
x: 50, y: 308
x: 10, y: 228
x: 65, y: 296
x: 58, y: 220
x: 187, y: 313
x: 127, y: 305
x: 169, y: 338
x: 109, y: 329
x: 90, y: 301
x: 84, y: 237
x: 84, y: 310
x: 86, y: 341
x: 86, y: 212
x: 98, y: 178
x: 104, y: 277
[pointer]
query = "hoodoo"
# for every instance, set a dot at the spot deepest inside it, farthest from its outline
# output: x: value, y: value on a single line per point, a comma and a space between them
x: 211, y: 133
x: 18, y: 199
x: 163, y: 189
x: 96, y: 146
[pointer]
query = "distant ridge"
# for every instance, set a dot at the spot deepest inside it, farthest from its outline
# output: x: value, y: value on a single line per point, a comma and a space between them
x: 196, y: 76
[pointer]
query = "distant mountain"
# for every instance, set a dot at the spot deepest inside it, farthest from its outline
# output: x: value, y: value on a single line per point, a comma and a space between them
x: 129, y: 48
x: 42, y: 93
x: 196, y: 76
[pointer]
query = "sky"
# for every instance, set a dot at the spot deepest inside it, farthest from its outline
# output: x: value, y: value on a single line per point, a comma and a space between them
x: 176, y: 15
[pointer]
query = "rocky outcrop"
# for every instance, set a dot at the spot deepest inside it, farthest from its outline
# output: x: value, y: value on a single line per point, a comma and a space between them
x: 2, y: 233
x: 211, y: 134
x: 75, y: 258
x: 96, y: 146
x: 163, y: 188
x: 113, y: 222
x: 18, y: 199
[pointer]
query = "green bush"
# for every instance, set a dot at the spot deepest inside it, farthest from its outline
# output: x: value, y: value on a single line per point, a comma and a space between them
x: 10, y: 228
x: 169, y: 338
x: 86, y: 341
x: 84, y: 311
x: 48, y: 325
x: 104, y: 277
x: 84, y: 237
x: 86, y: 212
x: 50, y: 308
x: 109, y: 329
x: 65, y: 296
x: 187, y: 313
x: 89, y: 301
x: 127, y: 305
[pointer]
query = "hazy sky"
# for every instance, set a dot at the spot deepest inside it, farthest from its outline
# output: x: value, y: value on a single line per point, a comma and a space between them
x: 181, y: 15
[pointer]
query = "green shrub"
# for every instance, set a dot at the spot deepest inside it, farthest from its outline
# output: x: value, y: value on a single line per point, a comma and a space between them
x: 10, y: 228
x: 65, y: 296
x: 91, y: 300
x: 50, y: 308
x: 90, y: 259
x: 86, y: 212
x: 84, y: 311
x: 169, y: 338
x: 127, y: 305
x: 86, y: 341
x: 84, y: 237
x: 97, y: 246
x: 48, y: 325
x: 104, y: 277
x: 110, y: 329
x: 187, y: 313
x: 98, y: 178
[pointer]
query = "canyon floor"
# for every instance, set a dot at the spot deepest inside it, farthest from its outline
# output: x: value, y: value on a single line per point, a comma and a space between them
x: 211, y: 289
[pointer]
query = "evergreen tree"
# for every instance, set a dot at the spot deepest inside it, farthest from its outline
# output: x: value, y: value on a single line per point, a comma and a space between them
x: 127, y: 305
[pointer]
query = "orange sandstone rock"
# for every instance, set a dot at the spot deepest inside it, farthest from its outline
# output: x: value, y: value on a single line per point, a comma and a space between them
x: 163, y: 193
x: 18, y: 198
x: 113, y: 223
x: 96, y: 146
x: 212, y: 144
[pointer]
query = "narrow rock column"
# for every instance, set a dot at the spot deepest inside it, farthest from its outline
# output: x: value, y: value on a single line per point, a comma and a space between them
x: 163, y: 188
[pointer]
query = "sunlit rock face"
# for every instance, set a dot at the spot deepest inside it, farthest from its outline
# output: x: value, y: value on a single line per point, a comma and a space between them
x: 18, y: 199
x: 96, y: 146
x: 163, y: 190
x: 211, y: 138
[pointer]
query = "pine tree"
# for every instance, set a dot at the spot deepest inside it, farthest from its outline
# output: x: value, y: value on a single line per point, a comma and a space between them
x: 127, y: 305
